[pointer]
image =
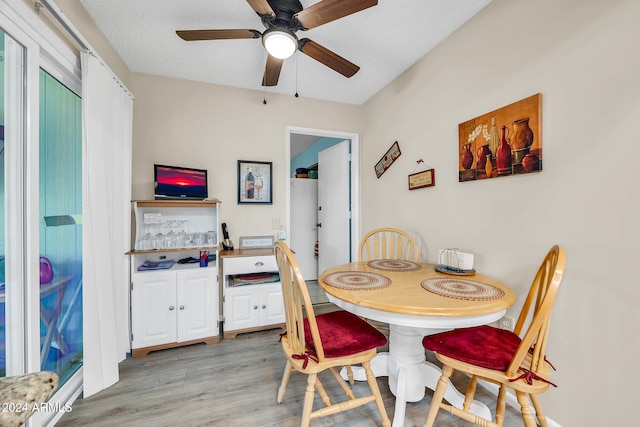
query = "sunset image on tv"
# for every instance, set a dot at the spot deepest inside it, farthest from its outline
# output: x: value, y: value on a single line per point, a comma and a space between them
x: 181, y: 182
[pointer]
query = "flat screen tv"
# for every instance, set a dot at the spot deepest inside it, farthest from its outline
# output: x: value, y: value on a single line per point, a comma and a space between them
x: 174, y: 182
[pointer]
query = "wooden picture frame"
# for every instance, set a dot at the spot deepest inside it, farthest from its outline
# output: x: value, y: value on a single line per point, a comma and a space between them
x: 422, y: 179
x: 387, y: 160
x: 255, y: 183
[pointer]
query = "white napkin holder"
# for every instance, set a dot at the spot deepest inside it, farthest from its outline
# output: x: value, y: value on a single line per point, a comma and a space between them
x: 455, y: 259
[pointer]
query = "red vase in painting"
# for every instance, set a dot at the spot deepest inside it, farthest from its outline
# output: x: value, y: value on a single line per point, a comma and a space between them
x: 503, y: 154
x: 530, y: 162
x: 483, y: 152
x: 466, y: 158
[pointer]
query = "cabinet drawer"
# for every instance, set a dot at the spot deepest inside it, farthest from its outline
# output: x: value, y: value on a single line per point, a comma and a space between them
x: 250, y: 264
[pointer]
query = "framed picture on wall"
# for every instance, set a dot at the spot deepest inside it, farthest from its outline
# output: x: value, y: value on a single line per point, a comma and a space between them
x: 503, y: 142
x: 255, y: 182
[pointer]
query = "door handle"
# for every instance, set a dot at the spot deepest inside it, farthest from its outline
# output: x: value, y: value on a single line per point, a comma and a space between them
x: 319, y: 224
x: 171, y: 308
x: 259, y: 264
x: 182, y: 307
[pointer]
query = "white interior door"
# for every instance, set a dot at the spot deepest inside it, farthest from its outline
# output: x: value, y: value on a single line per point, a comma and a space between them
x: 304, y: 220
x: 334, y: 216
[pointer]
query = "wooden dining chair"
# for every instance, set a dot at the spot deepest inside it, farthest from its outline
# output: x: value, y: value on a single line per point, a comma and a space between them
x: 313, y: 344
x: 512, y: 360
x: 388, y: 243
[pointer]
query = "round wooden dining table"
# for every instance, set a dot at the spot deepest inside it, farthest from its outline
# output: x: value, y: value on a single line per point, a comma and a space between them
x: 415, y: 300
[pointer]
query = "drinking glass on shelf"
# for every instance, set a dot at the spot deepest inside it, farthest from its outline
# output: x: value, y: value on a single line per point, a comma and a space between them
x: 146, y: 241
x: 159, y: 242
x: 181, y: 230
x: 210, y: 238
x: 158, y: 239
x: 169, y: 238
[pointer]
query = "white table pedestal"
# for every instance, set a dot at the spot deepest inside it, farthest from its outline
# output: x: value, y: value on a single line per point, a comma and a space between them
x: 405, y: 364
x: 409, y: 372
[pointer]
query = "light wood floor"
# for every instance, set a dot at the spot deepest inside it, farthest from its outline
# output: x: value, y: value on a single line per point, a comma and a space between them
x: 318, y: 296
x: 232, y: 383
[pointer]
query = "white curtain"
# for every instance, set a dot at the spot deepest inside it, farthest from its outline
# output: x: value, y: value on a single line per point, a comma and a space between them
x: 107, y: 110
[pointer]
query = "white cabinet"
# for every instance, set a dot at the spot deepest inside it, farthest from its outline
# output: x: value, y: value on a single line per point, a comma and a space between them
x: 180, y: 305
x: 170, y: 308
x: 250, y: 307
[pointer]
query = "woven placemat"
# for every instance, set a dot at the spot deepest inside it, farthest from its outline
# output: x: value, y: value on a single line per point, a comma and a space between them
x: 462, y: 289
x: 393, y: 265
x: 357, y: 281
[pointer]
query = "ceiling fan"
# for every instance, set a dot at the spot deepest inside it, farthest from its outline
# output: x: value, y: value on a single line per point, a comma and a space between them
x: 282, y: 19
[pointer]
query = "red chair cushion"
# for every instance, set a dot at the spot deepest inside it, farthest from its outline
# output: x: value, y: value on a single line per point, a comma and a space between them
x: 483, y: 346
x: 343, y: 333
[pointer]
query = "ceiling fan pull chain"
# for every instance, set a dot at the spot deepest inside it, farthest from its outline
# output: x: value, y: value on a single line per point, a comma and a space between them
x: 296, y: 95
x: 264, y: 95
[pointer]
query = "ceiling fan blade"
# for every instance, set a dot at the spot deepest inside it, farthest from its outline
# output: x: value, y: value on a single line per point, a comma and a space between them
x: 272, y: 71
x: 262, y: 7
x: 328, y: 58
x: 330, y: 10
x: 191, y: 35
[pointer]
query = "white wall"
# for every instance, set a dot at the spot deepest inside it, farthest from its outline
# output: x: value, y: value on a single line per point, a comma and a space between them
x: 584, y: 57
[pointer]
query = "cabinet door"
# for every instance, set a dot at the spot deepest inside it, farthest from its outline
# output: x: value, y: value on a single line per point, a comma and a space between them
x: 241, y: 308
x: 271, y: 304
x: 153, y: 308
x: 197, y: 304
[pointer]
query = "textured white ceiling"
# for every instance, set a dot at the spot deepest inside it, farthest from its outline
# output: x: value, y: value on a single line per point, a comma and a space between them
x: 383, y: 40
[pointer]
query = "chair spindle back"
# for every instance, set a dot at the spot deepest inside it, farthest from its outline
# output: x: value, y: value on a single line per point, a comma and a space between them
x: 388, y: 243
x: 541, y: 298
x: 297, y: 302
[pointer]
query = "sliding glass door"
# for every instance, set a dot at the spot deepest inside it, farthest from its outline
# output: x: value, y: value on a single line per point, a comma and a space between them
x: 60, y: 199
x: 40, y: 208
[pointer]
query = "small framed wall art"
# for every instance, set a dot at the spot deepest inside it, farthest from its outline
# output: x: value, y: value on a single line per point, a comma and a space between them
x: 255, y: 182
x: 387, y: 160
x: 422, y: 179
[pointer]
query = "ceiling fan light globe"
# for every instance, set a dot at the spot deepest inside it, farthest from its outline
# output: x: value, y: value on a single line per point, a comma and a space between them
x: 280, y: 44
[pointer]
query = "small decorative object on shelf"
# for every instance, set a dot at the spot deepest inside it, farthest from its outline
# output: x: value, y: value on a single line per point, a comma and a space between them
x: 155, y: 265
x: 255, y: 242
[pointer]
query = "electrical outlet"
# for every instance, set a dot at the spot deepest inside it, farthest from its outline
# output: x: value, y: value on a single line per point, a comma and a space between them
x: 507, y: 322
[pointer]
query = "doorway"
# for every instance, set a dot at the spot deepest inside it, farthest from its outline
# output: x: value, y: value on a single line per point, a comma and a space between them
x: 296, y: 138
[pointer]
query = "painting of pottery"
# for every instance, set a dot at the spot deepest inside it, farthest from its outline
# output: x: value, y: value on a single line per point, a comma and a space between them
x: 503, y: 142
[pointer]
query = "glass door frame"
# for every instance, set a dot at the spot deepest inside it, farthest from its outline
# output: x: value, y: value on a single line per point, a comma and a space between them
x: 43, y: 49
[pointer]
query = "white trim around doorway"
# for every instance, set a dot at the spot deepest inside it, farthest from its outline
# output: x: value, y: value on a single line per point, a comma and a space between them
x: 355, y: 177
